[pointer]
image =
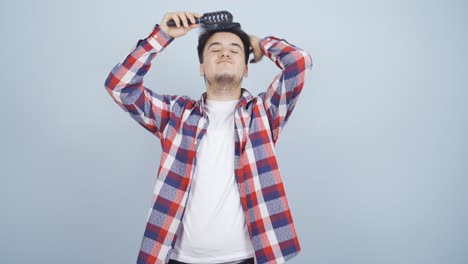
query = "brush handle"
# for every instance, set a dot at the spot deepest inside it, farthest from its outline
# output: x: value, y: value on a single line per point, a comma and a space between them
x: 172, y: 23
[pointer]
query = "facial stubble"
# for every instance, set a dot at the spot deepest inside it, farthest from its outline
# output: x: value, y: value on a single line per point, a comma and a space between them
x: 224, y: 82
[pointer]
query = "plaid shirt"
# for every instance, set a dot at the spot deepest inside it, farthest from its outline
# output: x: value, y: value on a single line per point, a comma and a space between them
x: 180, y: 123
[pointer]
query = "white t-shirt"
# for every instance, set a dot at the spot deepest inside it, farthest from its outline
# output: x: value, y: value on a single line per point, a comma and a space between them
x: 213, y: 227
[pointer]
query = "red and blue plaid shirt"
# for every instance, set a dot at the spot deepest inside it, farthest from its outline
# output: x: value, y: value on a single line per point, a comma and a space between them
x: 180, y: 124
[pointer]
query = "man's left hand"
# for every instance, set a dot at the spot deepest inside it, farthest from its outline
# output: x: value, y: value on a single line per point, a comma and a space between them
x: 257, y: 52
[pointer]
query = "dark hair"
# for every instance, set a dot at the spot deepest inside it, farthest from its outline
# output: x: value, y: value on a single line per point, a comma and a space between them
x: 207, y: 33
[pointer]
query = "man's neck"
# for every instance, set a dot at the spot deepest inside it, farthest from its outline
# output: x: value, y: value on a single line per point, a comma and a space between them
x: 223, y: 93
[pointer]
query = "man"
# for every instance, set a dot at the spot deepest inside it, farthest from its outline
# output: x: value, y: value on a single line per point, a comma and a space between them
x: 219, y: 197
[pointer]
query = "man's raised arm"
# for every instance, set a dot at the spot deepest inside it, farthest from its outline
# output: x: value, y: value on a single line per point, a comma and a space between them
x: 125, y: 81
x: 282, y: 94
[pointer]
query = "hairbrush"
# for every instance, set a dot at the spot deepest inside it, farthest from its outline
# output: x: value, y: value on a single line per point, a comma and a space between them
x: 219, y: 17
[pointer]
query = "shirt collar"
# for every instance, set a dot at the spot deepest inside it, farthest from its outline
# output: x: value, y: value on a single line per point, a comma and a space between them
x: 246, y: 96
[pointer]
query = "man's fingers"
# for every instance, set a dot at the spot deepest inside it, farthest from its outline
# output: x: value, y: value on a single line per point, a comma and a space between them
x: 184, y: 22
x: 176, y: 19
x: 183, y: 18
x: 191, y: 17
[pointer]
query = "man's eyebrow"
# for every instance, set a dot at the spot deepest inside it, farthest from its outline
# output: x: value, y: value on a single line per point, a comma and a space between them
x: 237, y: 45
x: 219, y: 43
x: 213, y: 43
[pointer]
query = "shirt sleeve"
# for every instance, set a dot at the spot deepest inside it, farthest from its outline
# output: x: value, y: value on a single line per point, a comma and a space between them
x: 125, y: 84
x: 282, y: 94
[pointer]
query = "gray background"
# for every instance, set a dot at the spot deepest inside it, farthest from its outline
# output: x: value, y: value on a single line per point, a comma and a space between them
x: 374, y: 158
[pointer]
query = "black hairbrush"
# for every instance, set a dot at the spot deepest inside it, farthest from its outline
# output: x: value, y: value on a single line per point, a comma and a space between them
x: 220, y: 17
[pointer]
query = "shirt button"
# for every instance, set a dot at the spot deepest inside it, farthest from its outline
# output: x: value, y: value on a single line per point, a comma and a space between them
x: 196, y: 142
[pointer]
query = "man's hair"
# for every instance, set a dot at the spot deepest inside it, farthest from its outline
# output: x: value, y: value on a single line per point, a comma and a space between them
x: 207, y: 33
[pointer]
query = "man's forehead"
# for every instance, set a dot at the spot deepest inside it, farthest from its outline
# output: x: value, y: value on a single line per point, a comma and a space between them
x: 226, y: 38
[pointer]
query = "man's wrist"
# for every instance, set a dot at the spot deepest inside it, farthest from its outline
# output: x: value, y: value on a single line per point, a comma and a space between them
x: 161, y: 38
x: 262, y: 43
x: 157, y: 31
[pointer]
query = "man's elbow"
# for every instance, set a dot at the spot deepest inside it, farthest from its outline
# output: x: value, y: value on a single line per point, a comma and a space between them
x: 307, y: 60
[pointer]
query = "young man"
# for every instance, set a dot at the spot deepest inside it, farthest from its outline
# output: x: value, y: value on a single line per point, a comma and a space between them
x: 219, y: 197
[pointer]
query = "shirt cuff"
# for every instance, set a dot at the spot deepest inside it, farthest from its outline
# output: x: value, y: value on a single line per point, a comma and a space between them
x: 265, y: 43
x: 158, y: 39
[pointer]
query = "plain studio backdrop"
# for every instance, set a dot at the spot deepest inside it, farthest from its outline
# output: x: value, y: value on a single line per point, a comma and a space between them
x: 374, y: 158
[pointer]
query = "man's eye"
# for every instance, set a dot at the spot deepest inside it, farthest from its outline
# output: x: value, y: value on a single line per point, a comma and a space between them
x: 234, y: 51
x: 214, y: 50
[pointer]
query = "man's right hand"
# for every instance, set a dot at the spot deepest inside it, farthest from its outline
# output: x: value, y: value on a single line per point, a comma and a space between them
x: 181, y: 20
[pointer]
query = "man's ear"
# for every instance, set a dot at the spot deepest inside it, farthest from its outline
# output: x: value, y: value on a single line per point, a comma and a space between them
x: 202, y: 70
x: 246, y: 70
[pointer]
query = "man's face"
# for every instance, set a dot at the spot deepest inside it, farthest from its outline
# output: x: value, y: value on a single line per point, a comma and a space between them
x: 223, y: 59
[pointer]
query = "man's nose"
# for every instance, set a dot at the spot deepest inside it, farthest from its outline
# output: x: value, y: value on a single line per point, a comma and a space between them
x: 225, y: 53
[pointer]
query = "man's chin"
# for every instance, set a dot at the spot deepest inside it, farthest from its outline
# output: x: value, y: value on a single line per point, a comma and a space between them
x: 225, y: 78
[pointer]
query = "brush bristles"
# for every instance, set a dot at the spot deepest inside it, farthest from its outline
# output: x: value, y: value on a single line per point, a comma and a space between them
x: 216, y: 17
